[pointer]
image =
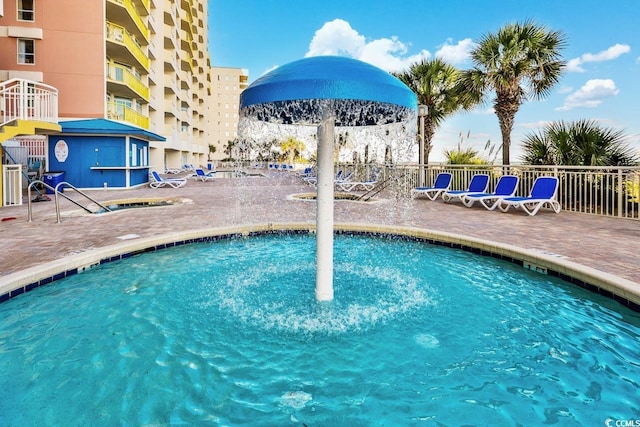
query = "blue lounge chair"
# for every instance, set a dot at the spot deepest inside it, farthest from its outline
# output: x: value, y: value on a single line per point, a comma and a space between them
x: 506, y: 187
x: 344, y: 178
x: 543, y: 192
x: 477, y: 185
x: 442, y: 184
x: 203, y: 176
x: 157, y: 181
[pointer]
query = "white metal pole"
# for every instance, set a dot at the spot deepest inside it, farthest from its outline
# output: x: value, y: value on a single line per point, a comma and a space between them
x: 324, y: 210
x: 422, y: 111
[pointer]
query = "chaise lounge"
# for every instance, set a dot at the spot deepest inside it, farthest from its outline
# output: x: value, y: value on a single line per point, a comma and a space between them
x: 506, y: 187
x: 477, y: 185
x: 157, y: 181
x: 442, y: 184
x: 543, y: 192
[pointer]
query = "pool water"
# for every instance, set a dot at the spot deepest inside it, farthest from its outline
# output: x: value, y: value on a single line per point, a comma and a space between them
x: 228, y: 333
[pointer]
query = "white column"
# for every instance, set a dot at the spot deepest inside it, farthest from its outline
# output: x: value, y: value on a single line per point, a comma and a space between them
x: 324, y: 211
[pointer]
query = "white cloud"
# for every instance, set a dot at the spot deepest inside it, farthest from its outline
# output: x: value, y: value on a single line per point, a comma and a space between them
x: 590, y: 95
x: 533, y: 125
x: 565, y: 89
x: 338, y: 38
x: 456, y: 53
x: 575, y: 64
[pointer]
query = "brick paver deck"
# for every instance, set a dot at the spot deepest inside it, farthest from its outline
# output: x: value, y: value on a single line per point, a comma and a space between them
x: 610, y: 245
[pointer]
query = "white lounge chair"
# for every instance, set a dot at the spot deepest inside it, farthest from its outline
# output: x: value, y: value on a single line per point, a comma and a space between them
x: 157, y: 181
x: 442, y: 184
x: 357, y: 185
x: 344, y: 179
x: 477, y: 185
x: 506, y: 187
x: 543, y: 192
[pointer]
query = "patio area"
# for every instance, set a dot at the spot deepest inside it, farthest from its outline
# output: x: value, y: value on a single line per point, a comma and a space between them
x: 609, y: 245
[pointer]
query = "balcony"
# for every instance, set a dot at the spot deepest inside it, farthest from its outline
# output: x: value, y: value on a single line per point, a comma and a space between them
x: 170, y: 64
x: 121, y: 46
x: 170, y: 84
x: 185, y: 41
x: 124, y: 13
x: 120, y: 112
x: 27, y: 107
x: 122, y: 82
x: 170, y: 39
x: 170, y: 13
x: 27, y: 100
x: 145, y: 4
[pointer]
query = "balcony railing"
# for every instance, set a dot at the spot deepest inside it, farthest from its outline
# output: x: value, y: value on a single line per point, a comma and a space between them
x: 123, y: 75
x: 119, y: 34
x: 28, y: 100
x: 135, y: 17
x: 120, y: 112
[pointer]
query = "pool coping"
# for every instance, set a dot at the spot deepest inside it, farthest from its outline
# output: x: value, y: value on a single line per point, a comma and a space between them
x: 617, y: 288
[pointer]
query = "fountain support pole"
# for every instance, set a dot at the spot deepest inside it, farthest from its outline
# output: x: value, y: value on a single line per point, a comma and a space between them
x: 324, y: 210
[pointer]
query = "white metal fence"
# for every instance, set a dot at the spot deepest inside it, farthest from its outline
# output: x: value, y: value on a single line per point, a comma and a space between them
x: 606, y: 191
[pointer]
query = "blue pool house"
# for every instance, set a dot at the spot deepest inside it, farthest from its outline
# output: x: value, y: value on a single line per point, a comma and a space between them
x: 99, y: 153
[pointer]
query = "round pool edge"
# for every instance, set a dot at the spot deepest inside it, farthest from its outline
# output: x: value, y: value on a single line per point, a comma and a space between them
x: 617, y: 288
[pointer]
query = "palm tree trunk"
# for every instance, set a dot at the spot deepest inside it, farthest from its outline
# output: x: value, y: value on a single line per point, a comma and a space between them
x: 429, y: 130
x: 505, y: 129
x: 506, y: 112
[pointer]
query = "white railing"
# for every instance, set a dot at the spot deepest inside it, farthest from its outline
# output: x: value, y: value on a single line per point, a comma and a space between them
x: 607, y: 191
x: 22, y: 99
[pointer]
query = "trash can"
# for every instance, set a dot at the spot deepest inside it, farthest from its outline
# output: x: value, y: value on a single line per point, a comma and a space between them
x: 53, y: 179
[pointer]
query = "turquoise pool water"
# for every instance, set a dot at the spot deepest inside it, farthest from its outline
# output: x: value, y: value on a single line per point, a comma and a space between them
x: 228, y: 333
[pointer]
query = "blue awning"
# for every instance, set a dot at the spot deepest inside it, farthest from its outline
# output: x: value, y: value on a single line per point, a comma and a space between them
x: 107, y: 127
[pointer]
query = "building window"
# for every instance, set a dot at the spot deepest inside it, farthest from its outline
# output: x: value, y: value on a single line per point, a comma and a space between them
x: 26, y: 10
x: 26, y: 51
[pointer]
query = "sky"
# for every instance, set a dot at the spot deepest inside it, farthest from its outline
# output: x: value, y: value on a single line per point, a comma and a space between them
x: 601, y: 81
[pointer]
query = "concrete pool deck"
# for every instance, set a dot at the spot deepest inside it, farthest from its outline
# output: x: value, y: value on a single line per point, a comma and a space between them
x: 604, y: 252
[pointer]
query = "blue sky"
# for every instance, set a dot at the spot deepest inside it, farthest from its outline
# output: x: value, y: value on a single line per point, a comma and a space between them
x: 601, y: 82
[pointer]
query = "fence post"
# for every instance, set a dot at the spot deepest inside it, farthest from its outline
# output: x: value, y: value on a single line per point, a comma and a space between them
x: 620, y: 198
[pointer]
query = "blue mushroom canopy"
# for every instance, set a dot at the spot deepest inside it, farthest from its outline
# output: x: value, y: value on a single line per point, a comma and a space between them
x: 359, y: 94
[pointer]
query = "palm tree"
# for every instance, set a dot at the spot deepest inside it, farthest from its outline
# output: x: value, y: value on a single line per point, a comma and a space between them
x: 521, y: 61
x: 579, y: 143
x: 212, y: 150
x: 229, y: 148
x: 437, y: 85
x: 291, y: 148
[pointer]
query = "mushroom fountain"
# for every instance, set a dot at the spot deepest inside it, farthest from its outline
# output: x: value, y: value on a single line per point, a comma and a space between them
x: 329, y: 92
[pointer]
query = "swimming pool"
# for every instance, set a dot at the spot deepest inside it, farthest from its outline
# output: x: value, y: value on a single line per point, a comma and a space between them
x: 230, y: 333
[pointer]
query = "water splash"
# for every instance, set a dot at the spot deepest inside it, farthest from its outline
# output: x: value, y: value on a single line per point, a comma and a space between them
x: 261, y: 138
x: 271, y: 299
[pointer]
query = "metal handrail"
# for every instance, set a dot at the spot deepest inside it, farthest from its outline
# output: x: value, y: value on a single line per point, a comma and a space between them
x: 368, y: 195
x: 57, y: 192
